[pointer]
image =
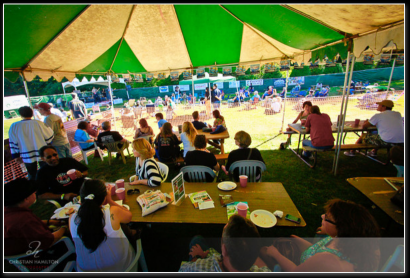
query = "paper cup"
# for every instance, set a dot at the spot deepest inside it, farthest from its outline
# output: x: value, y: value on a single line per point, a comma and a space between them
x: 119, y: 183
x: 213, y: 129
x: 71, y: 174
x: 242, y: 209
x: 356, y: 122
x: 120, y: 193
x: 243, y: 180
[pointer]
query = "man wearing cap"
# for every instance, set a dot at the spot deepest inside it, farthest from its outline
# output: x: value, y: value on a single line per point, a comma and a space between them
x: 24, y: 231
x: 53, y: 180
x: 390, y: 129
x: 77, y: 107
x: 60, y: 141
x: 26, y: 138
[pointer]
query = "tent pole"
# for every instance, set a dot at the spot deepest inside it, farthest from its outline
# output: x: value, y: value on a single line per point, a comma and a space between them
x: 193, y: 91
x: 112, y: 101
x: 26, y: 88
x: 391, y: 75
x: 238, y: 93
x: 341, y: 110
x: 284, y: 102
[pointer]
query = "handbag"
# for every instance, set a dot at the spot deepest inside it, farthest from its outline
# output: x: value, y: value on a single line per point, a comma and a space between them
x: 398, y: 198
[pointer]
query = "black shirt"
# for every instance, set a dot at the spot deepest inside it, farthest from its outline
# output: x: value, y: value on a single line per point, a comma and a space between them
x: 198, y: 125
x: 54, y: 179
x: 167, y: 146
x: 242, y: 154
x: 109, y: 137
x: 200, y: 158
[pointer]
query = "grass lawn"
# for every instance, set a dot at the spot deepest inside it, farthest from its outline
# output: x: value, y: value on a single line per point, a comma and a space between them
x: 165, y: 245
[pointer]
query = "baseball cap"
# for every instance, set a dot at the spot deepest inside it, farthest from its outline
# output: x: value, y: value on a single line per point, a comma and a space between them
x: 17, y: 190
x: 387, y: 103
x: 42, y: 105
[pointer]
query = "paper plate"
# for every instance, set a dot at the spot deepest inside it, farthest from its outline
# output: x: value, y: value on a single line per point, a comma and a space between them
x: 263, y: 218
x: 126, y: 206
x: 60, y: 213
x: 227, y: 186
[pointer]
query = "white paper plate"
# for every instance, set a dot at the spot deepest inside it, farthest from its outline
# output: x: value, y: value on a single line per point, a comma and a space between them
x: 227, y: 186
x: 263, y: 218
x: 60, y: 213
x: 126, y: 206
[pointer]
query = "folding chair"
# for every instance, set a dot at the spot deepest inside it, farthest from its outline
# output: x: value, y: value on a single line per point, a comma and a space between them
x: 197, y: 173
x: 113, y: 147
x: 396, y: 259
x: 163, y: 169
x: 139, y: 259
x: 84, y: 153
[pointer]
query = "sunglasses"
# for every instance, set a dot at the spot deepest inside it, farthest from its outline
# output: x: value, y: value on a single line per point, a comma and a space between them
x: 133, y: 191
x: 50, y: 156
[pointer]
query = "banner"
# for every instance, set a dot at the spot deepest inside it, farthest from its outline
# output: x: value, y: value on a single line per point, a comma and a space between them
x: 240, y: 70
x: 284, y: 65
x: 14, y: 102
x: 161, y: 75
x: 385, y: 59
x: 182, y: 88
x: 138, y: 78
x: 279, y: 83
x: 227, y: 71
x: 149, y: 77
x: 89, y: 105
x: 200, y: 73
x: 118, y: 100
x: 213, y: 71
x: 368, y: 59
x: 187, y: 75
x: 199, y: 87
x: 163, y: 89
x: 269, y: 67
x: 234, y: 84
x: 254, y: 82
x: 219, y: 84
x: 296, y: 80
x: 174, y: 76
x: 126, y: 77
x: 255, y: 69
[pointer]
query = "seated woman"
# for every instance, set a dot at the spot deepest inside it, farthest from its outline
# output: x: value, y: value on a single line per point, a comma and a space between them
x: 188, y: 136
x: 243, y: 140
x: 81, y: 135
x: 96, y: 231
x: 302, y: 116
x: 144, y: 130
x: 351, y: 245
x: 219, y: 120
x: 146, y: 169
x: 320, y: 128
x: 167, y: 144
x: 201, y: 157
x: 311, y: 92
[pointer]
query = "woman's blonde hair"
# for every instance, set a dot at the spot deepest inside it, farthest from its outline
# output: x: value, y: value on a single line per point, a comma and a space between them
x: 243, y: 138
x: 190, y: 131
x: 143, y: 147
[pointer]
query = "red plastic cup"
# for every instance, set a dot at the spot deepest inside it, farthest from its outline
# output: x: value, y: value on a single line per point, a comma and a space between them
x: 243, y: 180
x: 356, y: 122
x: 213, y: 129
x: 71, y: 174
x: 119, y: 183
x: 242, y: 209
x: 120, y: 193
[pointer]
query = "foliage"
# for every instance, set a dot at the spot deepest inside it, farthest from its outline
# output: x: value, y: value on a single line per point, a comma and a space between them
x: 300, y: 72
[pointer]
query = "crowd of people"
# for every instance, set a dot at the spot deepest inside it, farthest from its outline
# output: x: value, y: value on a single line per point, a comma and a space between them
x: 97, y: 229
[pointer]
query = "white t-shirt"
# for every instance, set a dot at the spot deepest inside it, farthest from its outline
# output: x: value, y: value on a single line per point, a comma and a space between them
x: 389, y: 126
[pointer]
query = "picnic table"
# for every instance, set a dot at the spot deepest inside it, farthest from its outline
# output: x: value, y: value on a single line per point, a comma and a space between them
x: 270, y: 196
x: 380, y: 192
x: 208, y: 136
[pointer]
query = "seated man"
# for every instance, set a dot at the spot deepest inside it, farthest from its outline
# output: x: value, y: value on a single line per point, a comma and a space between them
x: 108, y: 136
x: 160, y: 119
x: 24, y: 231
x: 268, y: 93
x: 324, y: 92
x: 201, y: 157
x: 240, y: 250
x: 197, y: 124
x: 255, y: 97
x: 54, y: 182
x: 389, y: 127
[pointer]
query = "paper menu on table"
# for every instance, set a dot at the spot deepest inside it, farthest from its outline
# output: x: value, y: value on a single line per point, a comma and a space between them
x: 231, y: 209
x: 200, y: 197
x: 206, y: 205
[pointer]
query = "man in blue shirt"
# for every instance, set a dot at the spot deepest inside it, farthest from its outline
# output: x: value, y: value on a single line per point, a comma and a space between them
x: 160, y: 119
x: 216, y: 96
x: 197, y: 124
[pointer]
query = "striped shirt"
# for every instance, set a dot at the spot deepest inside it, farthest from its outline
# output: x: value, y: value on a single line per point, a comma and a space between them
x: 149, y: 171
x: 27, y: 137
x: 211, y: 264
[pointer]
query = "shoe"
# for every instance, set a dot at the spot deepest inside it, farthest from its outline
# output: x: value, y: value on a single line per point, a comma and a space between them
x: 349, y: 153
x: 372, y: 153
x: 117, y: 156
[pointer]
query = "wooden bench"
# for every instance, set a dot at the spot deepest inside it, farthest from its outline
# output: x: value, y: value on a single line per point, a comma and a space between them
x: 347, y: 147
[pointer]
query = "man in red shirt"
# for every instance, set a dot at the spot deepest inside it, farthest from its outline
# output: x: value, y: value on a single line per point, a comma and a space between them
x: 320, y: 128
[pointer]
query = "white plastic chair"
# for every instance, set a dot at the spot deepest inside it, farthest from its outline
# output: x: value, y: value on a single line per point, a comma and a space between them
x: 84, y: 153
x: 396, y: 259
x: 15, y: 260
x: 197, y: 173
x: 139, y: 258
x: 248, y: 168
x: 163, y: 169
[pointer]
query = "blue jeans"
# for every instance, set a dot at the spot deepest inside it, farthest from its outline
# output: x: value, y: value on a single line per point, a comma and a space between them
x: 64, y: 150
x: 309, y: 144
x: 198, y: 240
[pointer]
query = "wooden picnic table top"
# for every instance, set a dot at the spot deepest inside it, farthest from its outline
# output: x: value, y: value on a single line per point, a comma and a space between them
x: 349, y: 126
x: 270, y: 196
x: 379, y: 192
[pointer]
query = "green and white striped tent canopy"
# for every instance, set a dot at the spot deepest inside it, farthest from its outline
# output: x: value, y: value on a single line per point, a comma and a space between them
x: 74, y: 40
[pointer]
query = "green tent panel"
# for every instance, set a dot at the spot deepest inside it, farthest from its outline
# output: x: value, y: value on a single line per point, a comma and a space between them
x: 12, y: 76
x: 38, y: 24
x: 330, y: 52
x: 103, y: 63
x: 285, y: 25
x: 209, y: 41
x: 126, y: 60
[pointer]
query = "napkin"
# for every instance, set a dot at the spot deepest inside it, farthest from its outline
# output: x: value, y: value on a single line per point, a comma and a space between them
x: 278, y: 213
